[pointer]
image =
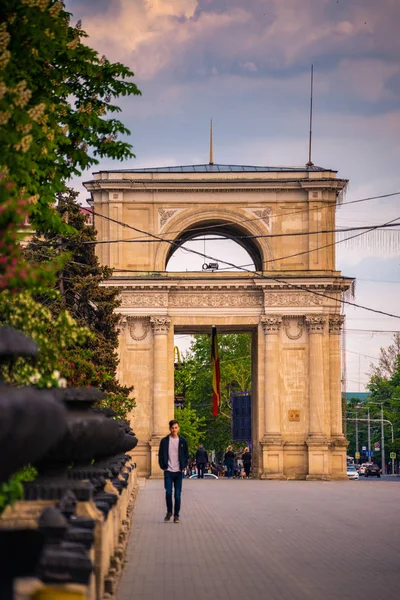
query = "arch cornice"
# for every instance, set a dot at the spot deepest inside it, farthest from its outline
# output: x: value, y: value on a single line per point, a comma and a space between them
x: 179, y: 224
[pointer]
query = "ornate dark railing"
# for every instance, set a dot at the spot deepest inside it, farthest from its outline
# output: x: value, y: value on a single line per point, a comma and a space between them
x: 71, y: 526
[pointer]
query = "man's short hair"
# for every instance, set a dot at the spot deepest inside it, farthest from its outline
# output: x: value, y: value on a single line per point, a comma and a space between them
x: 173, y: 422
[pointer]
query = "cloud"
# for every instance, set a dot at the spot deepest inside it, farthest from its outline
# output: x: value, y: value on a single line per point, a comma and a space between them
x: 180, y: 35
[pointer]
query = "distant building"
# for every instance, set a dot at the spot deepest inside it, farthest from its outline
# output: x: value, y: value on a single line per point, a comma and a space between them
x: 361, y: 396
x: 88, y: 214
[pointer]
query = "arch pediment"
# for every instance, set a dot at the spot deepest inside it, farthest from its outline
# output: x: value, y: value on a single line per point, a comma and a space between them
x: 190, y: 223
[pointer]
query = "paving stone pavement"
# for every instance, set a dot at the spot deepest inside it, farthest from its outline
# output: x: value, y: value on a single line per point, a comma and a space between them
x: 274, y: 540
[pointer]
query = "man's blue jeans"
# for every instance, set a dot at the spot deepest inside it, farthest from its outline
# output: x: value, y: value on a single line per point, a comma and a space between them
x: 229, y: 467
x: 174, y: 479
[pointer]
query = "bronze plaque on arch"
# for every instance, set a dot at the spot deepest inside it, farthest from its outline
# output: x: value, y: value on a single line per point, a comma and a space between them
x: 294, y: 415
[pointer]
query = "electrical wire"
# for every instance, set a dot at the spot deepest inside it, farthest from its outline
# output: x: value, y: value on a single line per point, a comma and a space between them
x: 254, y: 273
x: 301, y: 211
x: 335, y: 243
x: 225, y: 237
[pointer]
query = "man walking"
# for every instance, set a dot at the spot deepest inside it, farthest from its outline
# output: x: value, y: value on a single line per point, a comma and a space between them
x: 201, y: 461
x: 173, y: 457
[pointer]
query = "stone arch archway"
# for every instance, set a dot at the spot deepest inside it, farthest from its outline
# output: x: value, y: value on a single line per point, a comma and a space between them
x: 186, y: 226
x: 292, y: 313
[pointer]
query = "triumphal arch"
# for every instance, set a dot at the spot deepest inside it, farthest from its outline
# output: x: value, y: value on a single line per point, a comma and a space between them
x: 285, y: 218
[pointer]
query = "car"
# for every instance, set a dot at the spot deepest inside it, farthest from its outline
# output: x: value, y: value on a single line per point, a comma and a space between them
x: 352, y: 472
x: 206, y: 476
x: 372, y: 470
x: 362, y: 469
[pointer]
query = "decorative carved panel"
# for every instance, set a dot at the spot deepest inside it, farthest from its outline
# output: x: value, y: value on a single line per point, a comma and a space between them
x: 215, y: 300
x: 140, y: 300
x: 293, y: 414
x: 160, y: 325
x: 294, y: 327
x: 292, y: 299
x: 262, y: 214
x: 165, y: 215
x: 138, y: 328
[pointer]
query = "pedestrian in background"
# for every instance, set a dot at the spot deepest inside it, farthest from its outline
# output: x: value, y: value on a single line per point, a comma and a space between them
x: 173, y: 457
x: 229, y: 460
x: 201, y: 461
x: 246, y: 458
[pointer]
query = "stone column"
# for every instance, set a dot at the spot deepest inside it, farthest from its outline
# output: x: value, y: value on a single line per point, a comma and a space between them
x: 318, y: 459
x: 335, y: 327
x: 160, y: 325
x: 272, y: 446
x: 339, y: 442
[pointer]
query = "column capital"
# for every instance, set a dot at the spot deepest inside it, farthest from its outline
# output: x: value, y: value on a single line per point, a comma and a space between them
x: 271, y: 323
x: 315, y: 323
x: 122, y: 323
x: 335, y: 323
x: 160, y: 325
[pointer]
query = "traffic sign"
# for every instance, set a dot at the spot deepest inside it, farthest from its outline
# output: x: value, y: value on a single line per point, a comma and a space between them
x: 357, y: 455
x: 393, y: 455
x: 364, y: 448
x: 369, y: 453
x: 377, y: 446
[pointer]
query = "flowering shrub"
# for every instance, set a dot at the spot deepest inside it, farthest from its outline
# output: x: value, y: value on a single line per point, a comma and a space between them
x: 15, y: 272
x: 55, y: 103
x: 53, y: 336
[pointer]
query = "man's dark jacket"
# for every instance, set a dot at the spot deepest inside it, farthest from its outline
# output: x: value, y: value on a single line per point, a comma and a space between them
x: 201, y: 457
x: 183, y: 452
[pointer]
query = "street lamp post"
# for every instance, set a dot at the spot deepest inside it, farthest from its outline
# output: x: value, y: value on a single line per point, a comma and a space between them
x: 383, y: 443
x: 382, y: 437
x: 369, y: 436
x: 357, y: 451
x: 382, y: 421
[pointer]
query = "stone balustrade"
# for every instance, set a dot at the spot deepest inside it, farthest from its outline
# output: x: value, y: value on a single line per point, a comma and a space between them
x: 67, y: 537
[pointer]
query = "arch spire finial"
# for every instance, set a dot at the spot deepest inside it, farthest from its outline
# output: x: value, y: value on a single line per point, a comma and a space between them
x: 211, y: 145
x: 310, y: 162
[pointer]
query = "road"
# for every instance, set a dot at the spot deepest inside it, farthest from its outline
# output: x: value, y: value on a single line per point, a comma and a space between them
x: 274, y: 540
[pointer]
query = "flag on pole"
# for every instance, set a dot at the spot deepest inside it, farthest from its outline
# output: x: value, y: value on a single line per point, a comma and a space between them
x: 216, y: 375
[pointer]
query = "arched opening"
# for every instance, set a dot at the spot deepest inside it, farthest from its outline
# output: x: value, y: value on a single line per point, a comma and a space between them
x: 228, y: 245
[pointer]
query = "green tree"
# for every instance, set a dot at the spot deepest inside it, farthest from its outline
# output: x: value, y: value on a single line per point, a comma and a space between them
x: 384, y: 386
x: 56, y: 103
x: 191, y: 426
x: 53, y: 335
x: 194, y: 380
x: 90, y: 304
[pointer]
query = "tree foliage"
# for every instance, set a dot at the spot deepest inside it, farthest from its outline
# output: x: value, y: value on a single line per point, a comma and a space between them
x: 194, y: 380
x: 91, y: 305
x: 191, y: 426
x: 384, y: 386
x: 388, y: 358
x: 56, y: 103
x: 53, y: 335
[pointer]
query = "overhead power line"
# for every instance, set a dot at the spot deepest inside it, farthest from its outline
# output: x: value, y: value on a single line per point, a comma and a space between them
x: 335, y: 243
x: 228, y: 237
x: 283, y: 216
x: 254, y: 273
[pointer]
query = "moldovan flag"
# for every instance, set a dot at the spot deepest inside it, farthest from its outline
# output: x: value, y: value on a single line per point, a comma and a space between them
x: 216, y: 375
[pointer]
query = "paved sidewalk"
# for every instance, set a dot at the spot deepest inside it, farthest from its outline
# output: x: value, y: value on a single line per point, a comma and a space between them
x: 256, y: 540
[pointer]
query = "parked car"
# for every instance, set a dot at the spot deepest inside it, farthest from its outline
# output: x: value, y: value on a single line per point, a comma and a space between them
x: 372, y: 470
x: 206, y: 476
x: 352, y: 472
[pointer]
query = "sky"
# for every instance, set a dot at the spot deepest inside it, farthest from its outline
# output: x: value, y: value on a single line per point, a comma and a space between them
x: 246, y: 64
